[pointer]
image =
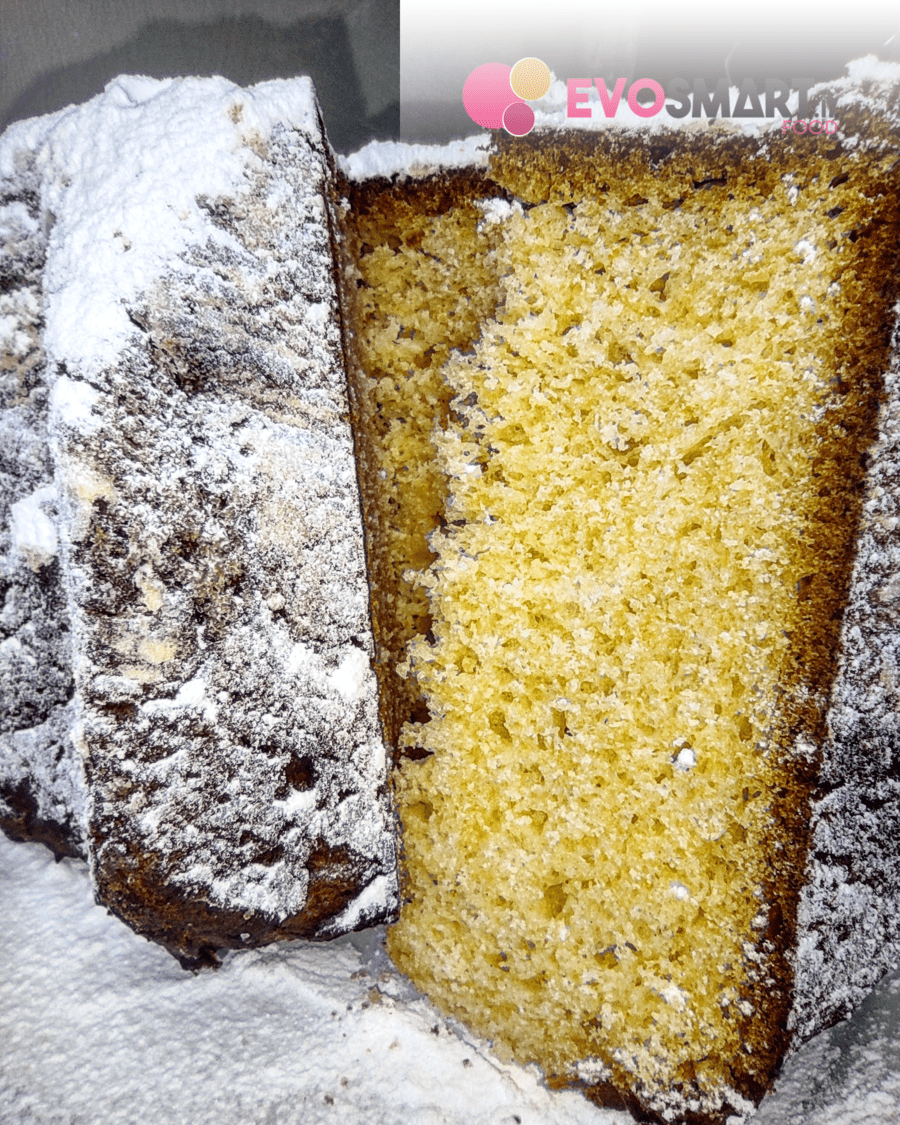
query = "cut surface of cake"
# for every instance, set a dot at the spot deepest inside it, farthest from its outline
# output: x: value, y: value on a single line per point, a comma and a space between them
x: 630, y: 854
x: 187, y: 420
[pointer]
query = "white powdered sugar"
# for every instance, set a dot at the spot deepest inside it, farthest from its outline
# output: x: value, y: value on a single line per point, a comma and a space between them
x: 33, y: 530
x: 156, y: 148
x: 94, y: 1022
x: 209, y: 517
x: 72, y: 404
x: 389, y: 158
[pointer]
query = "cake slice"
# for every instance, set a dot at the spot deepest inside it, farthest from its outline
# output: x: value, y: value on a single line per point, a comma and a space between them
x: 209, y: 529
x: 648, y: 767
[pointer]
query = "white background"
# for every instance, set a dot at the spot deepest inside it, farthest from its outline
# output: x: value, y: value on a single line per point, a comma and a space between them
x: 441, y: 43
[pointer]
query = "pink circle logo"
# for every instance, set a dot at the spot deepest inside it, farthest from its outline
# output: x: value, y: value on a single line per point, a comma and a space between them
x: 494, y: 95
x: 518, y: 119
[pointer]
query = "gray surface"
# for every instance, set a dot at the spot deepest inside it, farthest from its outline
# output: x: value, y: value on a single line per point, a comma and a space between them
x: 57, y: 52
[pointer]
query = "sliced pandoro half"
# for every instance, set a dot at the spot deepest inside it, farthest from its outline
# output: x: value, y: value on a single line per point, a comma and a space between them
x: 185, y: 502
x: 630, y: 445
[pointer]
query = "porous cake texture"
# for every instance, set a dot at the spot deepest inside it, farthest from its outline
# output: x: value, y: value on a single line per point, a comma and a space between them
x: 639, y: 849
x: 209, y: 519
x: 419, y: 282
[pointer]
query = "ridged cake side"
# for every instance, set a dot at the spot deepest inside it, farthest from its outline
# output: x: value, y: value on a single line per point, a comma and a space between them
x: 42, y: 794
x: 211, y: 538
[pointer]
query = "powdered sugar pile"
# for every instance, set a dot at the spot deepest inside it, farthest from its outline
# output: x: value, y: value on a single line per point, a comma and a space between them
x: 97, y: 1025
x: 146, y: 162
x: 387, y: 158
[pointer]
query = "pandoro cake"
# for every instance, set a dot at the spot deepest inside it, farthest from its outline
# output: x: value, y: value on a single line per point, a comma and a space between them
x: 628, y: 411
x: 615, y: 525
x: 189, y: 700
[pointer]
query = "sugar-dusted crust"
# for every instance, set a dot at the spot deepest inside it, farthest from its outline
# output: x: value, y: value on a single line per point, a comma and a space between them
x: 41, y: 784
x: 210, y: 531
x: 848, y: 925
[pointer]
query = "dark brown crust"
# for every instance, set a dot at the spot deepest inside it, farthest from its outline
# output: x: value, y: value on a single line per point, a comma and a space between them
x: 435, y: 194
x: 607, y: 1096
x: 388, y: 203
x: 135, y: 889
x: 24, y: 824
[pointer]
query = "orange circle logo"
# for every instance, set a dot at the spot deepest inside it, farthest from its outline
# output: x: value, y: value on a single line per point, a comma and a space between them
x: 530, y: 79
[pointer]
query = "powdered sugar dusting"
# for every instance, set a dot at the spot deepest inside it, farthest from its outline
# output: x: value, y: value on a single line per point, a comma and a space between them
x: 33, y: 531
x: 850, y: 908
x: 41, y: 784
x: 389, y: 158
x: 94, y: 1021
x: 209, y: 515
x: 156, y: 146
x: 73, y: 402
